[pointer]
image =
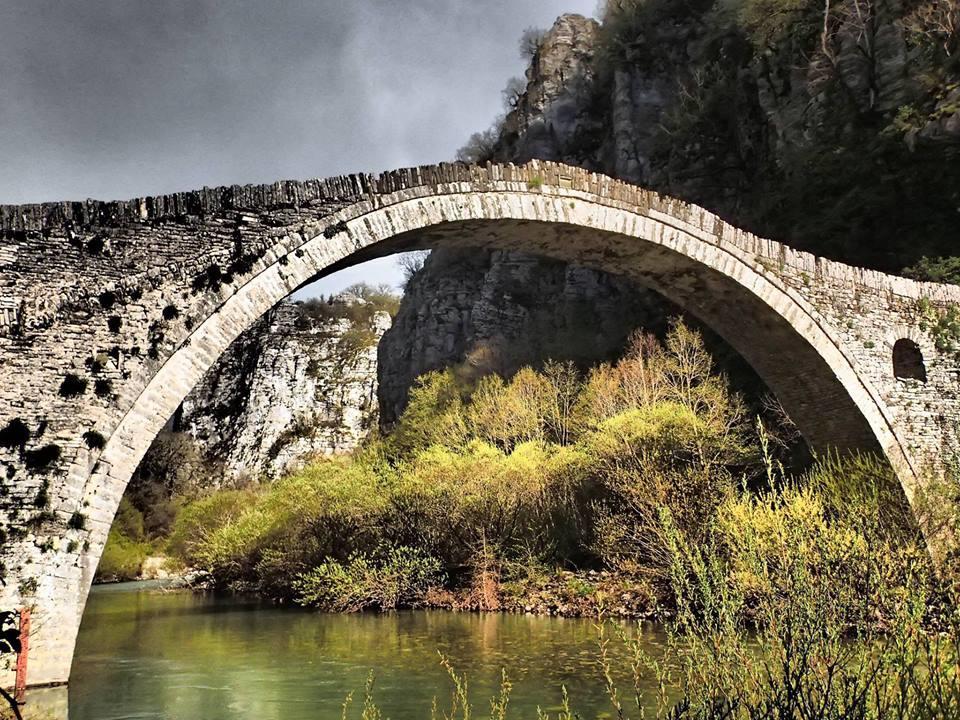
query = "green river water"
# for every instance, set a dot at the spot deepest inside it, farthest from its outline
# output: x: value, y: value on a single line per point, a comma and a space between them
x: 147, y: 653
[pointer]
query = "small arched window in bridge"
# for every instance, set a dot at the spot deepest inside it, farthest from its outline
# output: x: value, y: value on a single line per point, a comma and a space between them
x: 908, y: 361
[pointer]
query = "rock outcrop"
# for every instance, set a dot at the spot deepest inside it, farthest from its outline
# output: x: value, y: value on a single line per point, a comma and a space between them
x: 839, y: 135
x: 300, y: 383
x: 499, y: 311
x: 842, y: 141
x: 552, y: 111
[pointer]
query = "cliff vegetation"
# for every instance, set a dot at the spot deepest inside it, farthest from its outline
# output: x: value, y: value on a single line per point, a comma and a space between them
x: 300, y: 383
x: 832, y: 125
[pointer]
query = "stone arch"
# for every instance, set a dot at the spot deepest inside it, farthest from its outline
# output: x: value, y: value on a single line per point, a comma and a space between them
x: 754, y: 293
x: 688, y: 267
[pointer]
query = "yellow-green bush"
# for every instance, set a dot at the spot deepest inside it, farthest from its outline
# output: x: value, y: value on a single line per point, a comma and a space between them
x: 434, y: 416
x: 845, y: 526
x: 548, y: 469
x: 386, y: 580
x: 648, y: 459
x: 524, y: 502
x: 544, y: 467
x: 126, y: 547
x: 198, y: 520
x: 798, y: 649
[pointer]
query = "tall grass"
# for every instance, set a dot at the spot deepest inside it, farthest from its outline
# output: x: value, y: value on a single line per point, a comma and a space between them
x: 801, y: 653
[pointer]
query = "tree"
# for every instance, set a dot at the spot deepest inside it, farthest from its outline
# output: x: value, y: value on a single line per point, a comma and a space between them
x: 411, y: 263
x: 936, y: 22
x: 513, y: 93
x: 530, y: 42
x: 481, y: 145
x: 505, y: 414
x: 564, y: 390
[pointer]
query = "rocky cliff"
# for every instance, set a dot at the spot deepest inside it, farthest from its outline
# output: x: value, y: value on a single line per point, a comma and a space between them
x: 498, y: 311
x: 301, y: 382
x: 833, y: 127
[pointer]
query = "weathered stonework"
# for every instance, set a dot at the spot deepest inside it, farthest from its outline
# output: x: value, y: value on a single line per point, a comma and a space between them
x: 120, y: 309
x: 291, y: 387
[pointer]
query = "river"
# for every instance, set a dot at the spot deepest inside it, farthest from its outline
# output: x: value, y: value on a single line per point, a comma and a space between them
x: 148, y: 653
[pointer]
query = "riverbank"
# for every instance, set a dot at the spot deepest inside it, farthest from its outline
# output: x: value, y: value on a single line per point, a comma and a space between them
x: 249, y: 658
x: 586, y: 594
x: 558, y: 593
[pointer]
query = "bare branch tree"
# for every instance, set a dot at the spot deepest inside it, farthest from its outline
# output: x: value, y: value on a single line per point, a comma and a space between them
x: 411, y: 263
x: 513, y: 92
x: 480, y: 147
x: 530, y: 42
x: 938, y: 22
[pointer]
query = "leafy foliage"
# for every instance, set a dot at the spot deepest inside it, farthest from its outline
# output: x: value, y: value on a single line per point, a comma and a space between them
x: 398, y: 576
x: 491, y: 477
x: 174, y: 469
x: 779, y: 103
x: 943, y: 325
x: 358, y: 304
x: 806, y: 596
x: 126, y: 547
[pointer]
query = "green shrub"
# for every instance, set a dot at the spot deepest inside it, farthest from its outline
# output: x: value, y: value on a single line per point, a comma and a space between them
x: 434, y: 416
x: 353, y: 342
x: 173, y: 471
x: 550, y: 470
x: 524, y: 503
x: 198, y: 520
x: 129, y: 521
x: 398, y: 576
x: 863, y: 492
x: 329, y: 509
x: 126, y: 548
x: 769, y: 22
x: 543, y: 468
x: 122, y: 558
x: 373, y: 299
x: 795, y: 653
x: 648, y: 459
x: 940, y: 270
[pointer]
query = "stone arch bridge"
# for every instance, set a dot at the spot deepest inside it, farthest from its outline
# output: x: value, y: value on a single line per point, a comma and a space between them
x: 111, y: 312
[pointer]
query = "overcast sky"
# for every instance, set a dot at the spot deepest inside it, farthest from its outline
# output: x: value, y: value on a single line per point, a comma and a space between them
x: 115, y: 99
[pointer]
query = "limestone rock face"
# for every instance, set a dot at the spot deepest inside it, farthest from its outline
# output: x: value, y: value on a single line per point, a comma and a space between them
x: 499, y: 311
x: 551, y: 112
x: 292, y: 387
x: 689, y: 106
x: 685, y: 98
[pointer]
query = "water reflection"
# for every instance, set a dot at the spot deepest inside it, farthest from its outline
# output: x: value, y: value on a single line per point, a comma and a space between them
x: 149, y: 654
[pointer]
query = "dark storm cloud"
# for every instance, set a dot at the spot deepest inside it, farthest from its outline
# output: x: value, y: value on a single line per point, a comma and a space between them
x: 129, y: 97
